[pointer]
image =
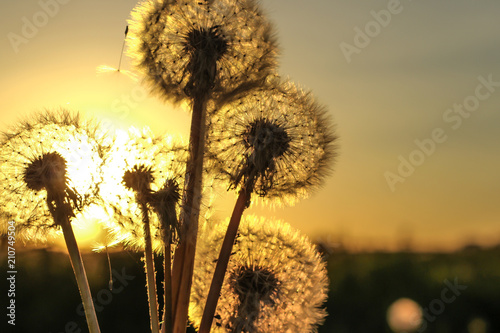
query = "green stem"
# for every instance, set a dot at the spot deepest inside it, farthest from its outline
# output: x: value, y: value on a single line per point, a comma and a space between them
x: 182, y: 272
x: 79, y: 270
x: 150, y: 270
x: 222, y: 262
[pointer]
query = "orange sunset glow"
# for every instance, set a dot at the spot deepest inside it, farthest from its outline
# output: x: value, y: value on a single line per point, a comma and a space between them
x: 413, y: 88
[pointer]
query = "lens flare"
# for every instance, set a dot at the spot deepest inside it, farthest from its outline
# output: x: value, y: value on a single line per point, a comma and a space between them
x: 404, y: 315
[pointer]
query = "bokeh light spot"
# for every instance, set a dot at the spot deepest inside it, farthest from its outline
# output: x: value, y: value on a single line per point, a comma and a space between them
x: 404, y: 315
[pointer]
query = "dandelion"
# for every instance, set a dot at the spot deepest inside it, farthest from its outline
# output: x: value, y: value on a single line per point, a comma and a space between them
x: 145, y: 176
x: 275, y: 281
x: 276, y: 142
x: 48, y: 163
x: 185, y: 47
x: 49, y: 171
x: 197, y: 51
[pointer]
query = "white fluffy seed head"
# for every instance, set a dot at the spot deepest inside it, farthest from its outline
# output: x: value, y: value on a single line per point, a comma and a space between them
x: 276, y: 280
x: 52, y: 154
x: 276, y: 141
x: 184, y: 47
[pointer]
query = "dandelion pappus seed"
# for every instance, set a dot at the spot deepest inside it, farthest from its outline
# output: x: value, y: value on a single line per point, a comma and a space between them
x: 154, y: 166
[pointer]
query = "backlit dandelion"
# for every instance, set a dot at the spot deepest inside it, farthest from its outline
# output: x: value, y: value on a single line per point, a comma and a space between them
x: 187, y: 47
x: 275, y: 281
x: 404, y: 316
x: 151, y: 167
x: 50, y: 169
x: 48, y: 164
x: 196, y: 51
x: 143, y: 179
x: 276, y: 142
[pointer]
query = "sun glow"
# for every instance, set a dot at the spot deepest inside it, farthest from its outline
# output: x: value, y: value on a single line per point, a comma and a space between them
x: 49, y: 156
x: 84, y: 170
x: 91, y: 225
x: 136, y: 147
x: 89, y: 228
x: 83, y: 162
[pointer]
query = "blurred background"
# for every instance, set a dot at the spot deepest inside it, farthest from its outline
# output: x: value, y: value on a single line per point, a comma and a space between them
x: 455, y: 292
x: 412, y: 207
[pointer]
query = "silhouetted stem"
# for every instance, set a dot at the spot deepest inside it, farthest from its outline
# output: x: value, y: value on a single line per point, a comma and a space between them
x: 79, y: 270
x: 150, y: 270
x: 222, y: 262
x: 167, y: 310
x: 182, y: 272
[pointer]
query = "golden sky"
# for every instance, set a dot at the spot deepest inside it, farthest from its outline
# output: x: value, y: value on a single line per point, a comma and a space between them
x: 413, y: 86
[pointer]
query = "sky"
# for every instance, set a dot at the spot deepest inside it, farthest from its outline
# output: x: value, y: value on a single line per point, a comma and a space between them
x: 413, y: 88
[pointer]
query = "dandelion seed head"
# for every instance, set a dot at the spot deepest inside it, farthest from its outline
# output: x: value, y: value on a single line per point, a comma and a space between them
x: 276, y: 141
x: 255, y: 287
x: 276, y: 281
x: 184, y: 47
x: 52, y: 153
x: 165, y: 203
x: 205, y: 42
x: 138, y: 179
x: 254, y: 280
x: 46, y: 172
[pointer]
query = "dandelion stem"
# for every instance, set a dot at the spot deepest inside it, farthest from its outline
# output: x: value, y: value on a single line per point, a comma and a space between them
x: 79, y: 270
x: 222, y: 262
x: 150, y: 270
x: 182, y: 272
x: 167, y: 311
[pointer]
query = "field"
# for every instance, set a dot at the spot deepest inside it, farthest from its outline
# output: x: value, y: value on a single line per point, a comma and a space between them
x: 362, y: 287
